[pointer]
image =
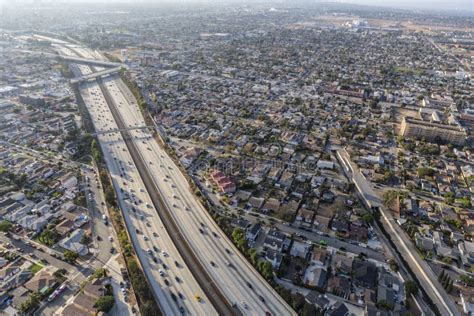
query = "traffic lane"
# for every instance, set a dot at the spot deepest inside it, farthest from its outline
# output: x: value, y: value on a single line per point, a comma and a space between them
x: 209, y: 249
x: 162, y: 243
x: 213, y: 246
x: 143, y: 228
x: 26, y: 249
x: 331, y: 241
x: 100, y: 231
x: 250, y: 299
x: 172, y: 272
x: 116, y: 179
x: 250, y: 271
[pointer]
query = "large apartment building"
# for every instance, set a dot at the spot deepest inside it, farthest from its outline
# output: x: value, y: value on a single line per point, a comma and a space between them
x: 432, y: 132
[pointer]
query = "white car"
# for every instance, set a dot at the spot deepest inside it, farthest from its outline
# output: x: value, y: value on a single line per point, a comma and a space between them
x: 111, y: 239
x: 161, y: 272
x: 164, y: 253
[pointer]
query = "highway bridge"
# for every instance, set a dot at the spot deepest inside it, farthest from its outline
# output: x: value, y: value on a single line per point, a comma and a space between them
x: 86, y: 61
x: 96, y: 74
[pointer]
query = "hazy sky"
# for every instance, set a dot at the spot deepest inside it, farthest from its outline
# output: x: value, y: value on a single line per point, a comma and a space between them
x: 465, y: 5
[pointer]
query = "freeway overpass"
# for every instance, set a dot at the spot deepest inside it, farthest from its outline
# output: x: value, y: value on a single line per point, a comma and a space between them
x: 86, y: 61
x: 96, y: 74
x: 72, y: 59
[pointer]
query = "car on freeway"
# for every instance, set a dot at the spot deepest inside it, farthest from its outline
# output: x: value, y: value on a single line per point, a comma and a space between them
x: 164, y: 253
x: 198, y: 297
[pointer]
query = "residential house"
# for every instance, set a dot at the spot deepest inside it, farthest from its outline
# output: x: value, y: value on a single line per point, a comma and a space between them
x: 315, y: 276
x: 300, y: 249
x: 365, y: 273
x: 275, y: 240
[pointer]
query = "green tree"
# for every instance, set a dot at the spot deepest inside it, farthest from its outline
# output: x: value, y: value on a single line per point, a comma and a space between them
x: 110, y: 196
x: 5, y: 226
x: 393, y: 265
x: 104, y: 303
x: 368, y: 218
x: 411, y: 287
x: 266, y: 269
x: 425, y: 172
x: 449, y: 197
x: 31, y: 303
x: 390, y: 196
x: 85, y: 239
x: 71, y: 256
x: 238, y: 236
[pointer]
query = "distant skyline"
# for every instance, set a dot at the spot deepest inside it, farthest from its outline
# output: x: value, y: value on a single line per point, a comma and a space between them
x: 455, y: 5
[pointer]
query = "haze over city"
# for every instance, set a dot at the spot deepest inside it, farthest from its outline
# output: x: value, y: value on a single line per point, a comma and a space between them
x: 236, y: 157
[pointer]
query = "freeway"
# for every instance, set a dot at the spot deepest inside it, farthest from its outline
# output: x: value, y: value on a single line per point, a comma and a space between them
x: 165, y: 269
x: 405, y: 247
x: 186, y: 252
x: 235, y: 277
x: 230, y: 272
x: 165, y: 276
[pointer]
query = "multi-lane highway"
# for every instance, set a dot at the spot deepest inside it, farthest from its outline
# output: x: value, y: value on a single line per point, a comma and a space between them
x: 173, y: 285
x: 235, y: 277
x: 215, y: 256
